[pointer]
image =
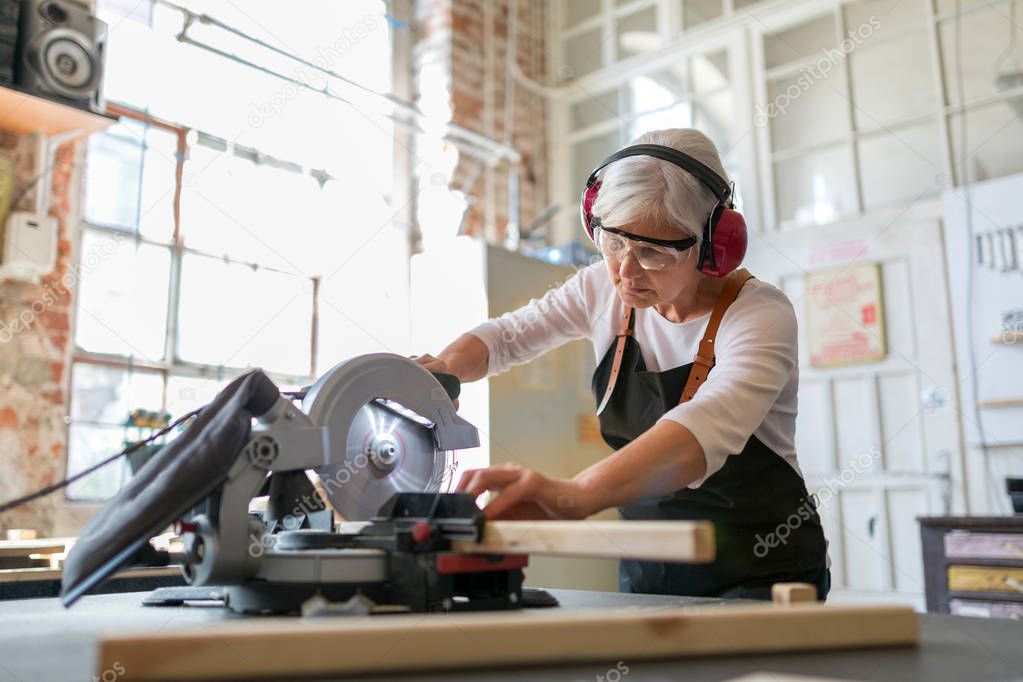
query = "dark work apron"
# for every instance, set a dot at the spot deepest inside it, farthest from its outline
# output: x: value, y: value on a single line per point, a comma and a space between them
x: 767, y: 529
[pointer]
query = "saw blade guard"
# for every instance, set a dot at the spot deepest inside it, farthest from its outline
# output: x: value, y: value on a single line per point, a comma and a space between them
x: 398, y: 425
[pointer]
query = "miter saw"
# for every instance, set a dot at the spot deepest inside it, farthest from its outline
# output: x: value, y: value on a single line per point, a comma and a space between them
x: 377, y: 431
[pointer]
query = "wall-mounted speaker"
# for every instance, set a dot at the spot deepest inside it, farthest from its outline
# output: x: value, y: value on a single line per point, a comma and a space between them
x: 60, y: 52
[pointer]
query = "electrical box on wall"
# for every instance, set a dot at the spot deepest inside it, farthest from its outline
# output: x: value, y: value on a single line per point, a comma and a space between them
x: 30, y: 245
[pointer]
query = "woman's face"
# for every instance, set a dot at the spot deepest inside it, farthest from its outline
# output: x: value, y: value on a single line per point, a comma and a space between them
x: 642, y: 288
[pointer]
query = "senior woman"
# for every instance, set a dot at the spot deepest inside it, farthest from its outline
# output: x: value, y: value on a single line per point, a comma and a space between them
x: 696, y: 384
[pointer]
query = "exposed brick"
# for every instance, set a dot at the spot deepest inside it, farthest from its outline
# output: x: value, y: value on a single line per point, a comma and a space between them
x: 57, y: 371
x: 55, y: 320
x: 56, y: 397
x: 475, y: 54
x: 8, y: 417
x: 34, y: 362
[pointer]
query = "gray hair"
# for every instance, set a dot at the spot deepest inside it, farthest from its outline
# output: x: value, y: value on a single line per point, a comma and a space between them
x: 640, y: 188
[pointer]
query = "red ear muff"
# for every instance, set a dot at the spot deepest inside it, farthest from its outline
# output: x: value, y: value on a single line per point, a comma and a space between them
x: 586, y: 207
x: 724, y: 242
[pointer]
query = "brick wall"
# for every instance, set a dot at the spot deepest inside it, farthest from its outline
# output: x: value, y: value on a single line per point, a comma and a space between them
x: 35, y: 351
x: 471, y: 37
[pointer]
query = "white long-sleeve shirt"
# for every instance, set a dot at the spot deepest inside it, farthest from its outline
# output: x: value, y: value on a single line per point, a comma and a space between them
x: 751, y: 390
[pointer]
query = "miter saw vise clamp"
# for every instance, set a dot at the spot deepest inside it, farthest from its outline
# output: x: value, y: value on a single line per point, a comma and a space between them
x: 427, y: 576
x: 430, y: 521
x: 416, y: 530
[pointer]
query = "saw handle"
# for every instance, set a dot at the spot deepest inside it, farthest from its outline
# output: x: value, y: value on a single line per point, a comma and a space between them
x: 452, y: 386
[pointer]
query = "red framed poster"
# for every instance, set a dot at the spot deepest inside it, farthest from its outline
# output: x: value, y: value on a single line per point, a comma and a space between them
x: 845, y: 316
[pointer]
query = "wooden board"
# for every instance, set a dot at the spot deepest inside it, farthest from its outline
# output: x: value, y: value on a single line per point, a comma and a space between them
x: 23, y: 548
x: 784, y: 677
x: 679, y: 541
x: 260, y: 648
x: 29, y: 574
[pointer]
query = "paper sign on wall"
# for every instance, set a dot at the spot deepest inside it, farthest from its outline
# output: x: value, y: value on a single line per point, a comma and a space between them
x: 845, y: 316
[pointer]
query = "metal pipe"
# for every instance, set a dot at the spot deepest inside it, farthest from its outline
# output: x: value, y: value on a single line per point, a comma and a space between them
x: 497, y: 149
x: 511, y: 230
x: 462, y: 146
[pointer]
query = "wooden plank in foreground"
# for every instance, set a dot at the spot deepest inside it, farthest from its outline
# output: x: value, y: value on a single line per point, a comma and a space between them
x: 783, y: 677
x: 260, y: 648
x: 679, y: 541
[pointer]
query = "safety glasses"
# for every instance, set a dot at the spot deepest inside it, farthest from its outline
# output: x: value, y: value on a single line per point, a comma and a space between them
x: 650, y: 253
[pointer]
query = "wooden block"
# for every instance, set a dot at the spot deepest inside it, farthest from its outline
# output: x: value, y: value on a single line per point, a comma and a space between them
x: 791, y: 593
x: 679, y: 541
x: 275, y: 647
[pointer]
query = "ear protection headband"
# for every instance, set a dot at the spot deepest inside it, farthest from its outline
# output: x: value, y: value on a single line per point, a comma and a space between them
x: 724, y: 233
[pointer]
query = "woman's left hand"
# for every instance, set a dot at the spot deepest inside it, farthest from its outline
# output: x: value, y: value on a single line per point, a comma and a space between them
x: 526, y: 494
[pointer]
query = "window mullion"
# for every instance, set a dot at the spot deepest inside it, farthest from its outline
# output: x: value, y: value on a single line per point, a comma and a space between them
x: 177, y: 254
x: 854, y: 148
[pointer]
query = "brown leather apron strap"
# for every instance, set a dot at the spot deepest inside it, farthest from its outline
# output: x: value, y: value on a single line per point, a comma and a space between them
x: 624, y: 331
x: 704, y: 360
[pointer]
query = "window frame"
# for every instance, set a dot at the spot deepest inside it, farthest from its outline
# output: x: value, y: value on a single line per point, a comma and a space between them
x: 744, y: 30
x: 170, y: 364
x: 703, y: 41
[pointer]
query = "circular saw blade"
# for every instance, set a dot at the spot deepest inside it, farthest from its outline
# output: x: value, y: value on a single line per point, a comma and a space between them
x: 387, y: 452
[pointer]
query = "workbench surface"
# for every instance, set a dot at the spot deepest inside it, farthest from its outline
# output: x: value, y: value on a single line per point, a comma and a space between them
x: 41, y: 641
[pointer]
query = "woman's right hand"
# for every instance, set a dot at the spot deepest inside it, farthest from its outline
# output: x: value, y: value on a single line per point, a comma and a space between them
x: 435, y: 365
x: 431, y: 363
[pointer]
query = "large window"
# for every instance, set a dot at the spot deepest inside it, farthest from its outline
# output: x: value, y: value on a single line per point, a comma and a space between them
x: 596, y: 33
x: 864, y: 110
x: 661, y: 77
x: 224, y: 217
x: 694, y: 91
x: 856, y: 105
x: 851, y: 111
